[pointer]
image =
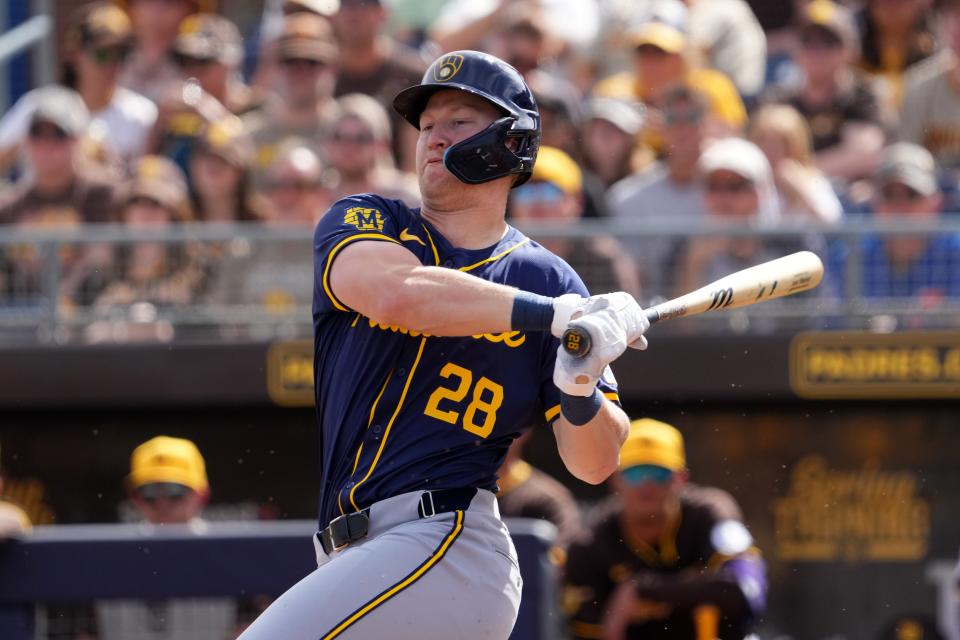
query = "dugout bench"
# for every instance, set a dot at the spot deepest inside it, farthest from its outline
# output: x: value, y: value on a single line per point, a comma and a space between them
x: 80, y: 563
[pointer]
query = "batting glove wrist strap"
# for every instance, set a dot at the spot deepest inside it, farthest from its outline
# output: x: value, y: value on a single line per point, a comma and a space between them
x: 531, y: 312
x: 565, y: 309
x: 579, y: 410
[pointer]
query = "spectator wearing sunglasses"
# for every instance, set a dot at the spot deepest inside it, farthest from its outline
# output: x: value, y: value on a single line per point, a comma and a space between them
x: 666, y: 558
x: 168, y: 487
x: 359, y: 153
x: 923, y: 267
x: 668, y: 189
x: 303, y: 107
x: 149, y: 70
x: 97, y: 41
x: 837, y: 102
x: 738, y: 190
x: 554, y: 194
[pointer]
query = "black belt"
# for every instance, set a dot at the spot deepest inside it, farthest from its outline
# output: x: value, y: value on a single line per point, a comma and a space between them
x: 351, y: 527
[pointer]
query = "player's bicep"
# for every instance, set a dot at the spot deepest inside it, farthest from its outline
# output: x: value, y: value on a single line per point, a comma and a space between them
x: 364, y: 273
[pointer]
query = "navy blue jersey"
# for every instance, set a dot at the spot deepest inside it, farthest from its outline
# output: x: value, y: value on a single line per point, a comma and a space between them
x: 401, y: 411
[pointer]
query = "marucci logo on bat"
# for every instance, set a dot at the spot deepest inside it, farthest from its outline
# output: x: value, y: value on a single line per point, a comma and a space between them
x: 721, y: 298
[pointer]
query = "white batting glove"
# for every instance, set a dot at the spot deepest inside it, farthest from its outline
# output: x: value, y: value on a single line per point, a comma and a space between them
x: 625, y: 311
x: 565, y: 308
x: 579, y: 376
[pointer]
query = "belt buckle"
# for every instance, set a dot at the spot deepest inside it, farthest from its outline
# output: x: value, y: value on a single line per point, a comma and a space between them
x: 342, y: 534
x: 423, y: 504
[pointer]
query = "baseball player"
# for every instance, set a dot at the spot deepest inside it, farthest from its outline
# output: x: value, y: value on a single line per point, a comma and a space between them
x: 435, y: 347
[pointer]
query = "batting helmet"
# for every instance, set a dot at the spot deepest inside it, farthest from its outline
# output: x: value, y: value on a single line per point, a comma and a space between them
x: 486, y: 155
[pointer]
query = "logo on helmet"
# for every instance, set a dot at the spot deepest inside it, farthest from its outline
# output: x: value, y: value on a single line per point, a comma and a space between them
x: 448, y: 67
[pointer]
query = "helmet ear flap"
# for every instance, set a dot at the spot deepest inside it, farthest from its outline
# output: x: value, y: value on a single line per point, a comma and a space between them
x: 486, y: 156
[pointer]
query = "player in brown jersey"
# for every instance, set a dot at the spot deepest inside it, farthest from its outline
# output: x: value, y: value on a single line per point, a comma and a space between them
x: 665, y: 559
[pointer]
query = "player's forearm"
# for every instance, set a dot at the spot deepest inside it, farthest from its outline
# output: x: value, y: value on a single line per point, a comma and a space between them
x: 443, y: 302
x: 591, y: 452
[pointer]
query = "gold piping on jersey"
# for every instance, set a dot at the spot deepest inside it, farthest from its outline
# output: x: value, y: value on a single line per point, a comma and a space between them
x: 386, y: 432
x: 394, y: 589
x: 436, y: 256
x: 356, y: 460
x: 554, y: 411
x: 333, y: 252
x: 496, y: 257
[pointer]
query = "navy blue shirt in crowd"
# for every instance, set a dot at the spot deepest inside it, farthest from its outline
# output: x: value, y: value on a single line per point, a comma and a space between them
x: 400, y: 411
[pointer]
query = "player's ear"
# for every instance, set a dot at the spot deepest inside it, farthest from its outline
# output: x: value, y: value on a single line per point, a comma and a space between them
x: 681, y: 477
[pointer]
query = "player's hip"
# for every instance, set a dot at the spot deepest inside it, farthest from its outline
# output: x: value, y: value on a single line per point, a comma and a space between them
x: 461, y: 513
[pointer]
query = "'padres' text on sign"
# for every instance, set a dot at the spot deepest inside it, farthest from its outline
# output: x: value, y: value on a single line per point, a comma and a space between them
x: 864, y: 365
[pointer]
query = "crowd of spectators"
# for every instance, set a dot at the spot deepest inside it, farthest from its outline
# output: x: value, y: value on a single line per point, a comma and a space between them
x: 166, y: 113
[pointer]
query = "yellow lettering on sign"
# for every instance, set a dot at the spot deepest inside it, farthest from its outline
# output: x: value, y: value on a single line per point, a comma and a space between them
x: 863, y: 515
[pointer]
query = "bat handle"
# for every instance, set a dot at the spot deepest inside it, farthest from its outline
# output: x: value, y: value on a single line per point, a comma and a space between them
x: 576, y: 340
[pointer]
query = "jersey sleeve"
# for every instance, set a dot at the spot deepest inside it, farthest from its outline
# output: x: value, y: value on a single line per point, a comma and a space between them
x: 549, y: 394
x: 353, y: 219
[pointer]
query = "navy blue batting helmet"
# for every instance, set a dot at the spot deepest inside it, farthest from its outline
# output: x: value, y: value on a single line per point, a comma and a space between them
x: 486, y: 155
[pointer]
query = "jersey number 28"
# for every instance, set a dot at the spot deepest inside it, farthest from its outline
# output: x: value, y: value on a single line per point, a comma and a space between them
x: 487, y: 398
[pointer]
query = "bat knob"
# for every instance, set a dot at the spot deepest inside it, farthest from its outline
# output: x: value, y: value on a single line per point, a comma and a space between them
x: 576, y: 341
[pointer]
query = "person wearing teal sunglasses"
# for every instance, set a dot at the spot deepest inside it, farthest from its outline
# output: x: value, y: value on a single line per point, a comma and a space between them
x: 667, y: 558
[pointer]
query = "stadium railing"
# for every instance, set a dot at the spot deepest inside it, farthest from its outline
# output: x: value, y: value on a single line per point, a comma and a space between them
x: 256, y: 281
x: 77, y: 564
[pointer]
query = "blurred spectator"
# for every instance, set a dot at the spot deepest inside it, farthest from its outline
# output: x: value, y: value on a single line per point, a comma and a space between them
x: 58, y: 193
x: 931, y: 102
x: 728, y: 35
x: 377, y: 65
x: 738, y: 190
x: 209, y: 48
x: 304, y: 107
x: 527, y: 492
x: 295, y: 189
x: 555, y: 194
x: 836, y: 101
x: 168, y: 487
x: 919, y: 266
x: 156, y: 273
x: 97, y: 41
x: 666, y: 558
x: 784, y: 137
x: 149, y: 70
x: 220, y: 173
x: 669, y: 188
x: 270, y: 274
x: 609, y: 138
x: 663, y: 58
x: 894, y: 34
x: 359, y: 151
x: 470, y: 24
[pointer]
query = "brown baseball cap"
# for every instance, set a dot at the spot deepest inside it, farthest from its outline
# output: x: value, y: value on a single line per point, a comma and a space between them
x: 208, y: 36
x: 159, y: 178
x: 307, y: 36
x: 99, y: 24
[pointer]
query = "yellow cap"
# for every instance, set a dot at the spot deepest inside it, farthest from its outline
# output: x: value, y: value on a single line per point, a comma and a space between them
x: 653, y: 442
x: 557, y: 168
x: 660, y: 35
x: 165, y: 459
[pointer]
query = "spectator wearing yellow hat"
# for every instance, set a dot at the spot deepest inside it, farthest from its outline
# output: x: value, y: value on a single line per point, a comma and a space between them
x: 666, y: 559
x: 168, y: 481
x: 663, y: 59
x: 554, y: 194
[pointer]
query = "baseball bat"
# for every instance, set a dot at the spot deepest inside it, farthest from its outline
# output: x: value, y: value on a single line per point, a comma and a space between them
x: 784, y: 276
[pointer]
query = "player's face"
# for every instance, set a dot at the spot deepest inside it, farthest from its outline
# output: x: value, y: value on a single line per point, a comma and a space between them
x: 167, y: 503
x: 647, y: 494
x: 449, y: 117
